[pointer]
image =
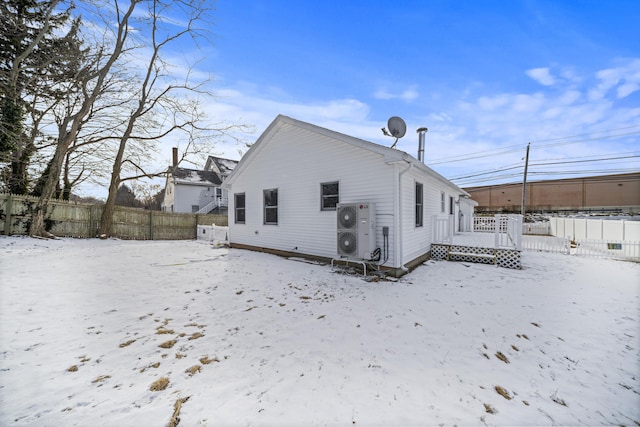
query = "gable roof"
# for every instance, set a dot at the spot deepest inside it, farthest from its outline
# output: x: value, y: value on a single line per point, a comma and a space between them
x: 390, y: 155
x: 221, y: 166
x: 194, y: 177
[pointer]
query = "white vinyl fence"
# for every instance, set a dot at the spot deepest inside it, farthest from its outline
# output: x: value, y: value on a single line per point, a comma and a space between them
x: 536, y: 228
x: 577, y: 236
x: 559, y: 245
x: 595, y: 229
x: 620, y: 249
x: 485, y: 224
x: 213, y: 233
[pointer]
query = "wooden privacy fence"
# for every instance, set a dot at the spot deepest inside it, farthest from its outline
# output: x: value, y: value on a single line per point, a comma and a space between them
x: 71, y: 219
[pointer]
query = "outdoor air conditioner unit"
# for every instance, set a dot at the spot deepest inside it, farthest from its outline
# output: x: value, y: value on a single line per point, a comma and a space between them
x: 356, y: 230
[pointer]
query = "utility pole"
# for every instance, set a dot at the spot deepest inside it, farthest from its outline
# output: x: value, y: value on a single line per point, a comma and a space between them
x: 524, y: 183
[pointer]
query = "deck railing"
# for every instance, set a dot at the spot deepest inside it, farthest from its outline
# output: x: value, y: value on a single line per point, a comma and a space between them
x: 218, y: 202
x: 443, y: 229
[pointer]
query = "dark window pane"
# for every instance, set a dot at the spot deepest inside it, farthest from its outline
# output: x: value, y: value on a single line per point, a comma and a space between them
x: 271, y: 215
x: 240, y: 215
x: 330, y: 202
x: 271, y: 197
x: 240, y: 201
x: 330, y: 189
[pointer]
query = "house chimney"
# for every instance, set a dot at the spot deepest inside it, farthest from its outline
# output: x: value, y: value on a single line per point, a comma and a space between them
x: 175, y: 156
x: 421, y: 135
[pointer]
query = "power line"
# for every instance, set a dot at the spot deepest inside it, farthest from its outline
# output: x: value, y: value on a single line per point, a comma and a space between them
x: 586, y: 134
x: 496, y: 179
x: 493, y: 171
x: 510, y: 148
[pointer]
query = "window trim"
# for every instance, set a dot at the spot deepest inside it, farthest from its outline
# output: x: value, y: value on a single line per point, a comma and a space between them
x: 419, y: 204
x: 323, y: 196
x: 265, y: 207
x: 236, y: 208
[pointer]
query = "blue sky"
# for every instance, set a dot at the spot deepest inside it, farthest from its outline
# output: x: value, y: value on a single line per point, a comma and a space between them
x: 486, y: 78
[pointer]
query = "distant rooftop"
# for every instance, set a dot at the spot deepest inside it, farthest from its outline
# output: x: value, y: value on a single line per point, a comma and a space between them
x: 192, y: 176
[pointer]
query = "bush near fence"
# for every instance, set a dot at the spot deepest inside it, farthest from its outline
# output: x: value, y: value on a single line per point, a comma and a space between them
x: 72, y: 219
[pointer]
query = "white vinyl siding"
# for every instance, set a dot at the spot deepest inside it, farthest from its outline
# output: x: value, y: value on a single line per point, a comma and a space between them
x: 296, y: 162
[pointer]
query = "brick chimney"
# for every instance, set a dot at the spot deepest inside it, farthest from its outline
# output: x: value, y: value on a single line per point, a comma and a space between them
x: 175, y: 156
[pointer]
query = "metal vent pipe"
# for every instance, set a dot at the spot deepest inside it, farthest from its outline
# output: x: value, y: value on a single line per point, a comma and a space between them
x: 421, y: 136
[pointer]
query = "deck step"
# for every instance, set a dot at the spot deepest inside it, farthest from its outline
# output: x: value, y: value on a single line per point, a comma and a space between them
x: 491, y: 256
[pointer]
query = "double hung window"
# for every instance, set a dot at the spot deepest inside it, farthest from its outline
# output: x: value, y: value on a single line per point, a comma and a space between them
x: 271, y: 206
x: 329, y: 196
x: 239, y: 207
x: 419, y: 205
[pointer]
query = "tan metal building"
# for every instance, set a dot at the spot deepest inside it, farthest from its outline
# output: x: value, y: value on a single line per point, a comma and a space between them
x: 618, y: 193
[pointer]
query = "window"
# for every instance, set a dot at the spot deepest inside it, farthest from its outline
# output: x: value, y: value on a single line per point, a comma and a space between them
x: 442, y: 202
x: 419, y: 212
x: 271, y: 206
x: 451, y: 211
x: 195, y: 208
x: 329, y: 197
x: 239, y: 207
x: 218, y: 192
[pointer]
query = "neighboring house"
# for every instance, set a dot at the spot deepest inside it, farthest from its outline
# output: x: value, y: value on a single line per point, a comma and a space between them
x: 289, y: 189
x: 199, y: 191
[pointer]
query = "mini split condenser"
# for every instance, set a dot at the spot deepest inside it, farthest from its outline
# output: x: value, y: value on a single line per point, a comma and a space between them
x: 356, y: 230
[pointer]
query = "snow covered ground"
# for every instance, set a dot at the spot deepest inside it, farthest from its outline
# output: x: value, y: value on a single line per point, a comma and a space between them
x: 244, y: 338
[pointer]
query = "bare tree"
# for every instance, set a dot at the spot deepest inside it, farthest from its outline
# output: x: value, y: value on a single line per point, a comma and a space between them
x: 92, y: 79
x: 165, y: 106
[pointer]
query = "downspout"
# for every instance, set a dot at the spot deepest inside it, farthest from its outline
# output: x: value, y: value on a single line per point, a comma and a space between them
x: 398, y: 220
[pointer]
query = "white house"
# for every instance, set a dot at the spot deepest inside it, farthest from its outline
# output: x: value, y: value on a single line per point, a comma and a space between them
x: 287, y: 192
x: 199, y: 191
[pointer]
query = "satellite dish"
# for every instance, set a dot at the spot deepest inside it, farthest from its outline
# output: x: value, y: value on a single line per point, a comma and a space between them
x: 397, y: 127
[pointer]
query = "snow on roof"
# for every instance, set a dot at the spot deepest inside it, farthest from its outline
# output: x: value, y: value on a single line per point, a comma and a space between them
x: 193, y: 176
x: 225, y: 165
x: 222, y: 167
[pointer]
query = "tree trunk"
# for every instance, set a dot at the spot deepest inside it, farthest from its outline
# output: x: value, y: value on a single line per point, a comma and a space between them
x: 19, y: 179
x: 106, y: 221
x: 37, y: 223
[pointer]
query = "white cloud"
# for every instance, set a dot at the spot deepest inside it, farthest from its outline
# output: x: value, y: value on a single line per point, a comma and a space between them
x: 488, y: 103
x: 625, y: 79
x: 407, y: 95
x: 627, y: 89
x: 542, y: 76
